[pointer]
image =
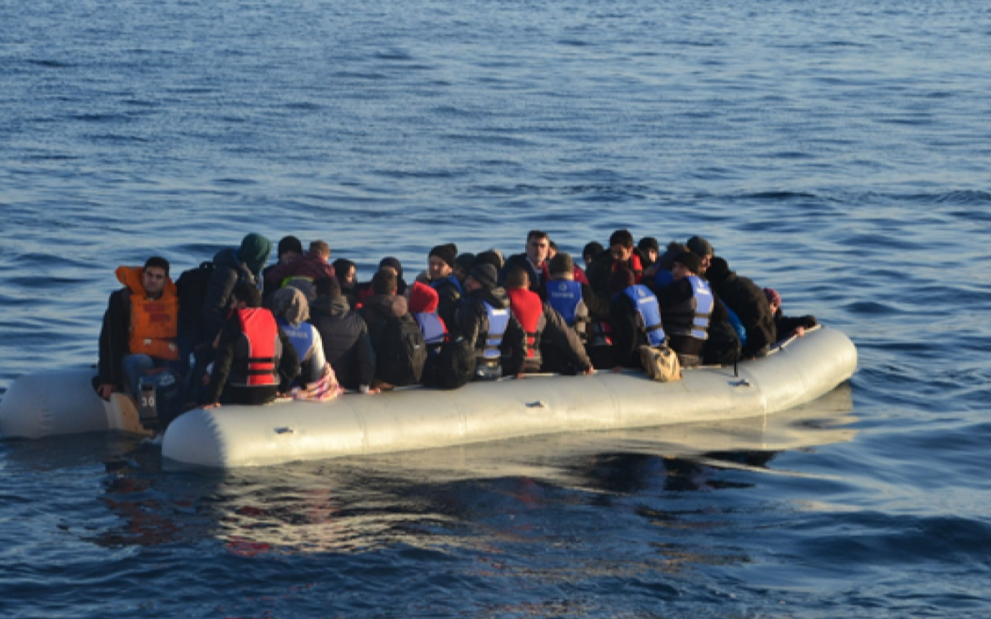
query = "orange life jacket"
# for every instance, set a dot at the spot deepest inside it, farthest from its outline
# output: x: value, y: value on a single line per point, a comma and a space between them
x: 527, y: 307
x: 154, y: 322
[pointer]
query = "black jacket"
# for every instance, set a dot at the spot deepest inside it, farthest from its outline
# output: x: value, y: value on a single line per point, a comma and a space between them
x: 230, y: 350
x: 747, y: 300
x: 346, y: 344
x: 472, y: 323
x: 538, y: 281
x: 628, y: 330
x: 115, y: 339
x: 216, y: 305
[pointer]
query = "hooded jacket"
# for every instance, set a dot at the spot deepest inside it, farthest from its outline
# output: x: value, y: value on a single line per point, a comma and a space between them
x: 747, y: 300
x: 228, y: 272
x: 346, y: 344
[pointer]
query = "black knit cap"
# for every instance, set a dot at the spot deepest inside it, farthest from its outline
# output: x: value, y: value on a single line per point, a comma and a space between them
x: 700, y: 247
x: 692, y: 262
x: 465, y: 260
x: 485, y: 274
x: 488, y: 257
x: 448, y: 253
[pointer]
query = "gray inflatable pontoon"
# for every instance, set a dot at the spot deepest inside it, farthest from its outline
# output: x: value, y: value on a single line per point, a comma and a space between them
x: 797, y: 372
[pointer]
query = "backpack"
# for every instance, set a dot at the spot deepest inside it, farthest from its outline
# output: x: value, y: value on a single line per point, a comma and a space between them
x: 454, y: 366
x: 191, y: 287
x: 402, y: 352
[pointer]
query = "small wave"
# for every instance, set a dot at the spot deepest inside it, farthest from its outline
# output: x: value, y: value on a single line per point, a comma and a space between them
x: 870, y: 308
x: 779, y: 195
x: 51, y: 64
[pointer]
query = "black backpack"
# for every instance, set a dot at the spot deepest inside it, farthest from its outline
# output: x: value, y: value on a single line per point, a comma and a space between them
x: 454, y: 366
x: 191, y: 287
x: 402, y: 352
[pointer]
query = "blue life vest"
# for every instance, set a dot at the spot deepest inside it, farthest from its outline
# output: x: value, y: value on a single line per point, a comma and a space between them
x: 663, y: 278
x: 690, y: 318
x: 432, y: 327
x: 646, y: 305
x: 301, y: 337
x: 565, y: 296
x: 498, y: 323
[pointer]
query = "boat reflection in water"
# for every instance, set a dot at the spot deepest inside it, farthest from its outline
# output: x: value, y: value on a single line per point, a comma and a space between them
x: 418, y: 499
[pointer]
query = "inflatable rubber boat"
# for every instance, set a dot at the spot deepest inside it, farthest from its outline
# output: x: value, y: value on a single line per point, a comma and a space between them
x: 798, y: 371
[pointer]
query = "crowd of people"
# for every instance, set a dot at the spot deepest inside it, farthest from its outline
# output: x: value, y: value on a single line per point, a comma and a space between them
x: 234, y: 330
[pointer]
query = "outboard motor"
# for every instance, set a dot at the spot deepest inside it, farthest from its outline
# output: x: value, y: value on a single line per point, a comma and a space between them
x: 158, y: 399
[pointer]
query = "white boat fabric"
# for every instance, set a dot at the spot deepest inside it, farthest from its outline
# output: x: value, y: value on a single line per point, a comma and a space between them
x: 237, y: 436
x: 44, y: 404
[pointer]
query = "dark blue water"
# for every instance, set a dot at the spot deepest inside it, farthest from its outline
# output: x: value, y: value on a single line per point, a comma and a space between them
x: 839, y: 152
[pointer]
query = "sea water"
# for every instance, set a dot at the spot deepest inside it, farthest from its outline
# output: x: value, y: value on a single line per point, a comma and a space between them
x: 838, y: 152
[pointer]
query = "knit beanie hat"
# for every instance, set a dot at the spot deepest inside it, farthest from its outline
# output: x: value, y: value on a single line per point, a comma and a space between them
x: 488, y: 257
x: 485, y: 274
x: 254, y: 252
x: 700, y: 247
x: 465, y: 260
x: 423, y: 298
x: 649, y: 243
x: 620, y: 280
x: 561, y: 264
x: 448, y: 253
x: 290, y: 304
x: 692, y: 262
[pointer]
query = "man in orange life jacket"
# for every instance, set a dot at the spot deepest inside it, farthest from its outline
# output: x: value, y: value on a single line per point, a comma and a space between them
x: 139, y: 328
x: 545, y: 330
x: 255, y: 359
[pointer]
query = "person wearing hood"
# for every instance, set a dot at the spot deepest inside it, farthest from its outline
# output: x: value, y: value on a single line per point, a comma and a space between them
x: 423, y: 304
x: 291, y: 310
x: 787, y: 326
x: 440, y: 269
x: 344, y: 334
x: 383, y: 311
x: 139, y: 328
x: 486, y: 323
x: 232, y: 266
x: 747, y: 300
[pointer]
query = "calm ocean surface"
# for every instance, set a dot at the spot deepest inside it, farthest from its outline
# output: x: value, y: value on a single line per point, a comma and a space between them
x: 839, y: 152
